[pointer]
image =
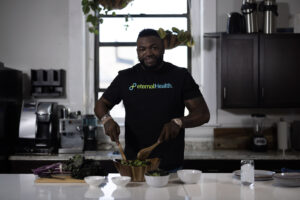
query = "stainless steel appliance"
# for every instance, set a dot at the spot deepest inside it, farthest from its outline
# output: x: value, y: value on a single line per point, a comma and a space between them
x: 71, y: 133
x: 249, y: 10
x: 38, y: 132
x: 269, y: 9
x: 90, y: 130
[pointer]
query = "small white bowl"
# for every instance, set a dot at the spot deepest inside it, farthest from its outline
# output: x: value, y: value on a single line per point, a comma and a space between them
x: 121, y: 180
x: 157, y: 181
x: 190, y: 176
x: 94, y: 181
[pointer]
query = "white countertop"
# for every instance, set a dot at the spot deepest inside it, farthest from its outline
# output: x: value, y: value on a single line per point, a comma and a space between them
x: 188, y: 155
x: 213, y: 186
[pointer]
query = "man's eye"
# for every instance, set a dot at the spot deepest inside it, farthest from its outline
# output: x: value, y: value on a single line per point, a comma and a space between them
x: 154, y: 48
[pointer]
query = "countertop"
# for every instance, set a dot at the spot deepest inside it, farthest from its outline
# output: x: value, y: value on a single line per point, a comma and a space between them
x: 212, y: 186
x: 188, y: 155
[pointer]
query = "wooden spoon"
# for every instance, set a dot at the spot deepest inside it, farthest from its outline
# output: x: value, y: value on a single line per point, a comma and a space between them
x: 122, y: 152
x: 145, y: 152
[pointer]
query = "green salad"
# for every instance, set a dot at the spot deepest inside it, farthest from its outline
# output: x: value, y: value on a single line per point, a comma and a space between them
x: 135, y: 163
x: 158, y: 172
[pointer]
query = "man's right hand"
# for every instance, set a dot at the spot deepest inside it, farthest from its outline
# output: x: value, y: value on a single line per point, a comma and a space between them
x: 112, y: 129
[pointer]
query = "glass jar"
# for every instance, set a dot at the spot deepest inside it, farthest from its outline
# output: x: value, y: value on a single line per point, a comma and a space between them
x: 247, y: 172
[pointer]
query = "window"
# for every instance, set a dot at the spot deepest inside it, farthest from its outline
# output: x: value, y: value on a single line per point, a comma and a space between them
x: 116, y: 45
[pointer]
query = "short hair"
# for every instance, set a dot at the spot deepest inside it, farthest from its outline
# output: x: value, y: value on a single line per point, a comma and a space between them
x: 148, y: 32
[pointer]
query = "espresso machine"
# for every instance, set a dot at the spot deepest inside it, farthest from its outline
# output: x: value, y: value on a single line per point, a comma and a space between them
x: 38, y: 130
x: 90, y: 131
x: 71, y: 132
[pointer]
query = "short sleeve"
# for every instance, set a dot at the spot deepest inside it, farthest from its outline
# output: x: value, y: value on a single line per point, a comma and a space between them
x: 190, y: 88
x: 113, y: 92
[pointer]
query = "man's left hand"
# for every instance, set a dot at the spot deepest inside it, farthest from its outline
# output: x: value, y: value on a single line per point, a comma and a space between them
x: 169, y: 131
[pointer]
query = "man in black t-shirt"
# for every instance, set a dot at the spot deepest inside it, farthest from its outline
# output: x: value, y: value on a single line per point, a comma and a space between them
x: 154, y: 94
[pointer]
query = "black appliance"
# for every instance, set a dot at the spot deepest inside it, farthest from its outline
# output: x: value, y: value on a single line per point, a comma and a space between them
x: 39, y: 128
x: 259, y: 142
x: 236, y: 23
x: 89, y: 130
x: 10, y: 106
x: 295, y: 135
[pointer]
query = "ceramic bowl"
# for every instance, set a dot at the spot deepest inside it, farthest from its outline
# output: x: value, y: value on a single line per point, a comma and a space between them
x: 94, y: 181
x: 157, y: 181
x: 189, y: 176
x: 136, y: 173
x: 121, y: 180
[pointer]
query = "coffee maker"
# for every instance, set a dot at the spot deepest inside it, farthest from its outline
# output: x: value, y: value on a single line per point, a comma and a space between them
x: 47, y: 126
x: 71, y: 132
x: 90, y: 130
x: 38, y: 130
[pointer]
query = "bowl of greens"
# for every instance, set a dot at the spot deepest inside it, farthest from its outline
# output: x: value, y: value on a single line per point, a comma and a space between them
x: 136, y: 168
x: 157, y: 178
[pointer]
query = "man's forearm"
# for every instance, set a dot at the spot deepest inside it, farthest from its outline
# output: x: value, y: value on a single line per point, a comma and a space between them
x: 198, y: 113
x: 101, y: 108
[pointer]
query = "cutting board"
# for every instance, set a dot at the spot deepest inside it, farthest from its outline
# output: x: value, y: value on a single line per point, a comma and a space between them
x: 241, y: 138
x: 59, y: 179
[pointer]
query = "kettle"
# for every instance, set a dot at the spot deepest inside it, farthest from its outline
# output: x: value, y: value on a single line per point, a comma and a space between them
x: 236, y: 23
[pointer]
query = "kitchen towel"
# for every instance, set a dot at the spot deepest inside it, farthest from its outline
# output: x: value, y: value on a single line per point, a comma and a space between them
x: 282, y: 135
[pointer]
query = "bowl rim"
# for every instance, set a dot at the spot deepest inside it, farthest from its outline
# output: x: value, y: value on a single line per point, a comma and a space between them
x: 92, y: 177
x: 189, y: 170
x: 119, y: 177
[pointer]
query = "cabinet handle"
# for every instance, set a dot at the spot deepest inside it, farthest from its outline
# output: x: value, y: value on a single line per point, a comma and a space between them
x: 224, y: 92
x: 262, y: 92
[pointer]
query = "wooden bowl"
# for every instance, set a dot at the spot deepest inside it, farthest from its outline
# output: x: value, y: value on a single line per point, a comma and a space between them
x: 136, y: 173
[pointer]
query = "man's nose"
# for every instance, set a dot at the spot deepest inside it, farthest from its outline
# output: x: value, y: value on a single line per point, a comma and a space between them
x: 149, y: 52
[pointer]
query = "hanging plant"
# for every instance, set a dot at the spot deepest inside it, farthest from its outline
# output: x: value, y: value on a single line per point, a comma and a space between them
x: 100, y: 9
x: 175, y: 38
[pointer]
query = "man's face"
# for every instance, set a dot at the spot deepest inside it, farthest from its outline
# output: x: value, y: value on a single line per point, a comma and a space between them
x: 150, y: 51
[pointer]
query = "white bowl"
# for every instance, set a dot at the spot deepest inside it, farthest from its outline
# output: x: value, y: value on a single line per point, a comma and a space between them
x: 94, y: 181
x: 189, y: 175
x: 157, y: 181
x: 121, y: 180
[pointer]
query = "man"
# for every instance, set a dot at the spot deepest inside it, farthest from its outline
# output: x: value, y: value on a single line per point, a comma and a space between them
x: 154, y: 94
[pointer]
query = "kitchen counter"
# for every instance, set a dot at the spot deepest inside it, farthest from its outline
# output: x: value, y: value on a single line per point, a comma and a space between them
x: 213, y: 186
x: 188, y: 155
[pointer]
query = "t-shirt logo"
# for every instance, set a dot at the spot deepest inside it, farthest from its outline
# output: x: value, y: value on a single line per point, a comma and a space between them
x: 137, y: 86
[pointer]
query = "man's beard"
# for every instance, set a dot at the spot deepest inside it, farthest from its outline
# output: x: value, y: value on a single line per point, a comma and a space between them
x: 159, y: 61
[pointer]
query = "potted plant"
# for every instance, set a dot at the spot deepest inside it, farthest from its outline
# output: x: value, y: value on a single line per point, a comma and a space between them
x: 175, y: 37
x: 101, y: 8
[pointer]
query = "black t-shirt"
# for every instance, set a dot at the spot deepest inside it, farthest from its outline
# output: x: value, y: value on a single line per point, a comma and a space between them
x: 151, y: 99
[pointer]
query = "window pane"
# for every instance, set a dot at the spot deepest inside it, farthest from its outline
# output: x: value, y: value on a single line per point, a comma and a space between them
x: 155, y: 7
x: 117, y: 112
x: 114, y: 59
x: 111, y: 32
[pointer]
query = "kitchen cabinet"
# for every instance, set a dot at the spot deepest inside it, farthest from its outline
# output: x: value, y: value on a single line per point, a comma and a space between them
x: 259, y: 70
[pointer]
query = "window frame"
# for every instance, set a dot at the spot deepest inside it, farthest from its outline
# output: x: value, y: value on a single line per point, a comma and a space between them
x: 98, y: 44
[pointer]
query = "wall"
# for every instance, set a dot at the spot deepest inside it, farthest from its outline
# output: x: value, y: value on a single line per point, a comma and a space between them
x: 47, y: 34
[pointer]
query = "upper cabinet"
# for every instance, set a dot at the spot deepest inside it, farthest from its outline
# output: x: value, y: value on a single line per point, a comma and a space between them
x: 259, y: 70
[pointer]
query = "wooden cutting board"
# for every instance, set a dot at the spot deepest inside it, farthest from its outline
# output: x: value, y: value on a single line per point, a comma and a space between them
x: 241, y: 138
x: 59, y: 179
